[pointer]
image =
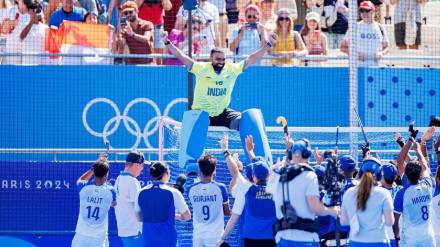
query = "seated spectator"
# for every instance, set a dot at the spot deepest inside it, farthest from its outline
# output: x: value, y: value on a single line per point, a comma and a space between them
x: 33, y: 35
x: 67, y: 12
x: 250, y: 36
x: 136, y: 34
x: 209, y: 15
x: 407, y: 23
x: 314, y: 39
x: 91, y: 18
x: 289, y: 44
x: 180, y: 40
x: 4, y: 25
x: 372, y: 40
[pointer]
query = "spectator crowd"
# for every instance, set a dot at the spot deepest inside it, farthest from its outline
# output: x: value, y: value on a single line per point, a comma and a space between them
x: 304, y: 27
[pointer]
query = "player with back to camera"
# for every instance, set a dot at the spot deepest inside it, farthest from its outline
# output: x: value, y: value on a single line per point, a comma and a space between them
x: 158, y: 206
x: 368, y: 208
x: 95, y: 199
x: 127, y: 186
x: 210, y: 203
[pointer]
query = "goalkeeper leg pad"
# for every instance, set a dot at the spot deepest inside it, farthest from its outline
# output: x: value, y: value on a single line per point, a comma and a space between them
x: 192, y: 137
x: 252, y: 123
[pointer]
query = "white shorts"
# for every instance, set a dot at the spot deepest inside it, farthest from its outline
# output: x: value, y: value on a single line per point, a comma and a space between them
x: 86, y: 241
x: 205, y: 242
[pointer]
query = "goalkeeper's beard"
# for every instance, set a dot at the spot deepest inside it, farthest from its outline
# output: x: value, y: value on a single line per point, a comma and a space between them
x: 218, y: 67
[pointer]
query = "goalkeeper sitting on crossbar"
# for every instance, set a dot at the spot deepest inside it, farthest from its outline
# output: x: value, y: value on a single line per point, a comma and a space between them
x: 212, y: 94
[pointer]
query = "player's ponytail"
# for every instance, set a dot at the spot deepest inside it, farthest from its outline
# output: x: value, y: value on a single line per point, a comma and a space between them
x: 364, y: 190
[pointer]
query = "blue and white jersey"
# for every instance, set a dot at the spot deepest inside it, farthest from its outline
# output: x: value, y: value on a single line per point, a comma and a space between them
x: 157, y: 204
x: 207, y: 201
x: 393, y: 190
x: 435, y: 220
x: 257, y: 208
x: 371, y: 222
x: 413, y: 203
x: 94, y: 204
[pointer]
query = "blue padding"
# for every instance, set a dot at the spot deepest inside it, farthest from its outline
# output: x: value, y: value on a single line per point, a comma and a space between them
x: 193, y: 135
x: 252, y: 123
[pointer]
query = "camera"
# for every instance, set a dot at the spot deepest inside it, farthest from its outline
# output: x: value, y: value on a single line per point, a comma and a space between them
x: 251, y: 25
x: 123, y: 21
x: 333, y: 182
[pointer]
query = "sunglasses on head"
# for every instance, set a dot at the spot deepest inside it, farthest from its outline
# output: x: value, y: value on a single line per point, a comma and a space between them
x: 128, y: 12
x: 281, y: 18
x: 365, y: 11
x: 252, y: 17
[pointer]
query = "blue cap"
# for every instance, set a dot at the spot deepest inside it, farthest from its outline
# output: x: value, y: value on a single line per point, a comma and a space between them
x: 389, y: 171
x: 347, y: 163
x: 371, y: 164
x: 135, y: 156
x: 260, y: 170
x: 247, y: 171
x: 320, y: 171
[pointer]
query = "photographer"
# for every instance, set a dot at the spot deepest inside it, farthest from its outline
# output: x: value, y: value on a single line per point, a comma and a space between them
x: 157, y: 206
x: 33, y: 34
x: 297, y: 200
x: 250, y: 36
x: 136, y: 34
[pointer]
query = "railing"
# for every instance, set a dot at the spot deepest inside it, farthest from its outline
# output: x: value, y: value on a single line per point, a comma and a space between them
x: 152, y: 56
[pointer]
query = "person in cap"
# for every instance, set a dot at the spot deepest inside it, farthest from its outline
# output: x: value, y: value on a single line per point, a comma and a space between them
x: 348, y: 169
x: 158, y: 206
x: 314, y: 39
x: 371, y: 38
x: 135, y: 33
x: 412, y: 206
x: 127, y: 186
x: 300, y: 194
x: 389, y: 174
x: 250, y: 36
x: 252, y: 202
x: 289, y: 44
x: 210, y: 203
x: 367, y: 208
x: 95, y: 199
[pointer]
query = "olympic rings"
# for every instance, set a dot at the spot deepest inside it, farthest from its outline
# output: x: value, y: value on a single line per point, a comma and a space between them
x: 137, y: 131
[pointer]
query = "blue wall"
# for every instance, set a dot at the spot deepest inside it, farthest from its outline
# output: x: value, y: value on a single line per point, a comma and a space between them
x: 42, y: 106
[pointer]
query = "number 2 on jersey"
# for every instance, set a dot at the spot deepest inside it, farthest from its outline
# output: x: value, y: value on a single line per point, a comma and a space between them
x: 94, y: 214
x: 205, y: 211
